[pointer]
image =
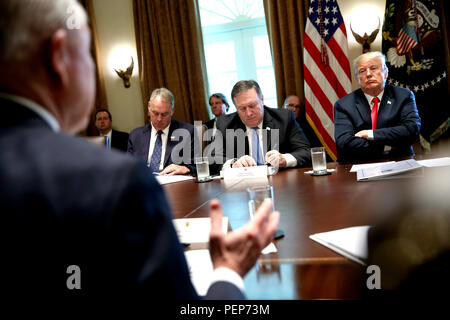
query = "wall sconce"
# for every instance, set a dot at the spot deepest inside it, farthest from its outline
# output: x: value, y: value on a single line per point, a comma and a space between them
x: 366, y: 39
x: 125, y: 75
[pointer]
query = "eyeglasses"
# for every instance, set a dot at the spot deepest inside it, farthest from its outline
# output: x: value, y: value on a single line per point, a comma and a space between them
x: 291, y: 105
x: 373, y: 69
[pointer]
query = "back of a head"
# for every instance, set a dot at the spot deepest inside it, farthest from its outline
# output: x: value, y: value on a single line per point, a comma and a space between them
x: 164, y: 94
x: 26, y: 24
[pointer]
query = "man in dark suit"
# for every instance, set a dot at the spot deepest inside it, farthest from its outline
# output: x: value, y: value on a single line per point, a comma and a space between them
x: 117, y: 139
x: 377, y: 120
x: 167, y: 145
x: 260, y: 134
x: 79, y: 221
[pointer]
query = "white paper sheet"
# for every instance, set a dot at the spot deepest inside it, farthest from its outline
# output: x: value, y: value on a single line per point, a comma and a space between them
x: 357, y: 167
x: 172, y: 179
x: 438, y: 162
x: 200, y: 268
x: 196, y: 230
x: 349, y: 242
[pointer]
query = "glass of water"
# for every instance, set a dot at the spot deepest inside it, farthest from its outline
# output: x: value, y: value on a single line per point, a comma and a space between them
x: 319, y: 162
x: 202, y: 165
x: 256, y: 196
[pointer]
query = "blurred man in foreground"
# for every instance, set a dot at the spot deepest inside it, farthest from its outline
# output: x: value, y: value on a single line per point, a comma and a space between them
x: 70, y: 208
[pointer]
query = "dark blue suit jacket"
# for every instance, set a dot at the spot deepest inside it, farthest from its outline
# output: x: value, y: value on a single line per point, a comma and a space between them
x: 139, y: 142
x: 65, y: 201
x: 119, y: 140
x: 398, y: 125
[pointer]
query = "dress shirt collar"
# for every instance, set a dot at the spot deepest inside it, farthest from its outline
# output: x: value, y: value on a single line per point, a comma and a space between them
x: 43, y: 113
x: 251, y: 128
x: 369, y: 98
x: 165, y: 131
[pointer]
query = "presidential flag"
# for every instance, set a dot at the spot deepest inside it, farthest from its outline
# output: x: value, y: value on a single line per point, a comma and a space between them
x: 326, y: 68
x: 412, y: 43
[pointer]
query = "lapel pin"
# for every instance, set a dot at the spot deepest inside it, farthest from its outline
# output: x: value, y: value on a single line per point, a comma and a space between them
x: 389, y: 102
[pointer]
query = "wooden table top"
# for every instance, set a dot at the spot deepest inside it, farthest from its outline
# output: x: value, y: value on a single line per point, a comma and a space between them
x: 302, y: 268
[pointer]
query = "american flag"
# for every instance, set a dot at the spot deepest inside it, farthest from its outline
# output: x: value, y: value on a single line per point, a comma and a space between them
x: 407, y: 39
x: 326, y: 68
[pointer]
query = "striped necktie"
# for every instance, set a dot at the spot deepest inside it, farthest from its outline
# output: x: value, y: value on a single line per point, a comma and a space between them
x: 156, y: 156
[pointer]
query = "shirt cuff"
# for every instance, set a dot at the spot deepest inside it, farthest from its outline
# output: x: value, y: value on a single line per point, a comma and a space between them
x: 290, y: 160
x: 227, y: 275
x: 227, y: 164
x: 370, y: 134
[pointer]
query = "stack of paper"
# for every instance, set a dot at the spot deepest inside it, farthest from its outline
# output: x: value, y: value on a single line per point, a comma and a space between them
x: 399, y: 169
x: 349, y: 242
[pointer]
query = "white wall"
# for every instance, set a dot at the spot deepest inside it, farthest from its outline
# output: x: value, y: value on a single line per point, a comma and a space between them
x: 363, y: 15
x: 115, y: 27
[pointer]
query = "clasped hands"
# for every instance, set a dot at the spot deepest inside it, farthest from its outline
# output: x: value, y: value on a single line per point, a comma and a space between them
x: 273, y: 157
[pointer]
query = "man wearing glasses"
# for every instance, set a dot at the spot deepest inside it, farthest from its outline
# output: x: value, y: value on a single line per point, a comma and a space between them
x: 155, y: 141
x: 293, y: 103
x: 377, y: 120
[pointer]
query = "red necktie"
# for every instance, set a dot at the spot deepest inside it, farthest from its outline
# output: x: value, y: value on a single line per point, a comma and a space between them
x: 374, y: 112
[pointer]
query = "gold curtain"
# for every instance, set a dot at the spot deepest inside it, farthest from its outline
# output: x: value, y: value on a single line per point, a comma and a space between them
x: 170, y: 53
x: 286, y: 22
x: 100, y: 99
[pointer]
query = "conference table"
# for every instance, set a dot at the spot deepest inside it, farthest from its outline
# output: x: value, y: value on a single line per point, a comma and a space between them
x: 302, y: 268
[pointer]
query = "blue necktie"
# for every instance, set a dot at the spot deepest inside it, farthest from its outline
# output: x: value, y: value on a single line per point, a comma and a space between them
x: 256, y: 150
x: 156, y: 156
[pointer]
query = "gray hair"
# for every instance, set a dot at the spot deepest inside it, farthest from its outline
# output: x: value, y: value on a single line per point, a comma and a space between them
x: 368, y: 56
x: 25, y: 24
x: 165, y: 96
x: 245, y: 85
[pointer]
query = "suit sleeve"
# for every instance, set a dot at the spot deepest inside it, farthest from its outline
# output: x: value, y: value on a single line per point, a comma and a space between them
x: 344, y: 133
x: 146, y: 245
x: 130, y: 147
x: 407, y: 130
x: 298, y: 144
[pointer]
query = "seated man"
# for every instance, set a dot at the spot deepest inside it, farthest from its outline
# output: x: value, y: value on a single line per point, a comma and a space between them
x: 256, y: 129
x: 117, y: 139
x: 293, y: 103
x: 155, y: 141
x: 219, y: 107
x: 377, y: 120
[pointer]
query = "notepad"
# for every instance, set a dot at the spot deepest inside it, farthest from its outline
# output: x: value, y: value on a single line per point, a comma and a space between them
x: 351, y: 242
x: 172, y: 179
x: 196, y: 230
